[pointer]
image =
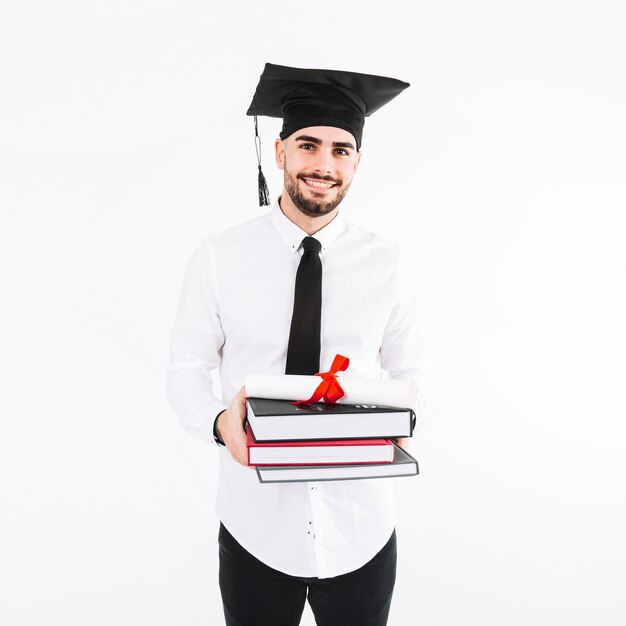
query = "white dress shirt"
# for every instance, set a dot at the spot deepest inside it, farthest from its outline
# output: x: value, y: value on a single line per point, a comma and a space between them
x: 234, y: 314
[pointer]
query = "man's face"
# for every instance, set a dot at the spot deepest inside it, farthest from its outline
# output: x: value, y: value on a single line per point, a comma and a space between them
x: 319, y: 163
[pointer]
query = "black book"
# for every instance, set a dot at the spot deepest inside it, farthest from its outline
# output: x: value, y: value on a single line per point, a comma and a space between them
x: 402, y: 465
x: 280, y: 420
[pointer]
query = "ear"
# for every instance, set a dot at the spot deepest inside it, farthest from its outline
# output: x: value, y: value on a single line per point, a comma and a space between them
x: 279, y: 149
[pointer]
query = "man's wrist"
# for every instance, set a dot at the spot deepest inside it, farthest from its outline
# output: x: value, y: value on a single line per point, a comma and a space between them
x: 216, y: 433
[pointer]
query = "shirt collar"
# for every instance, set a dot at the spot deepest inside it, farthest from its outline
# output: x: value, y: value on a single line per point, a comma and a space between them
x: 293, y: 235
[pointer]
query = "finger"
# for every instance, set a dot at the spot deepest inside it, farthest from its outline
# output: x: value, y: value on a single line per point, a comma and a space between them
x: 241, y: 450
x: 239, y: 456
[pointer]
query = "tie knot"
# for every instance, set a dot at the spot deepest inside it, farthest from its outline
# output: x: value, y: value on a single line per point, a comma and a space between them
x: 311, y: 244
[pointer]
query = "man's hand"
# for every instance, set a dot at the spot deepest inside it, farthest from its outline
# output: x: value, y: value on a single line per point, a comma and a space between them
x: 230, y: 427
x: 403, y: 442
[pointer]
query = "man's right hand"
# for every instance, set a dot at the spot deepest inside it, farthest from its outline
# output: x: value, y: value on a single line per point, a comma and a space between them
x: 230, y: 427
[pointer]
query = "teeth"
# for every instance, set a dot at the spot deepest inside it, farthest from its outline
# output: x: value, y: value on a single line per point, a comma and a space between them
x: 317, y: 183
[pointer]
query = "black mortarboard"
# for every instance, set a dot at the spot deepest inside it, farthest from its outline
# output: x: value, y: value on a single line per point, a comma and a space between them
x: 311, y: 97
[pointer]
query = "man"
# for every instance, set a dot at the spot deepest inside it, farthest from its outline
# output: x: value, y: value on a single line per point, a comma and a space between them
x: 284, y: 293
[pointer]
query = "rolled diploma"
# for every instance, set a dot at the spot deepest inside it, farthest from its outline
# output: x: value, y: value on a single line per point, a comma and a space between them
x: 378, y: 391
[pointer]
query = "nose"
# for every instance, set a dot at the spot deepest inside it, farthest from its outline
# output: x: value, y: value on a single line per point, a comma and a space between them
x: 323, y: 163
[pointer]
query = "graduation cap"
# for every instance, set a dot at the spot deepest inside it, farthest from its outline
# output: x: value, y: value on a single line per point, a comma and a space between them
x: 312, y: 97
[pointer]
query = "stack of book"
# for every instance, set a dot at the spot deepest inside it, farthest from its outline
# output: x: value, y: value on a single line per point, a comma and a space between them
x: 310, y: 442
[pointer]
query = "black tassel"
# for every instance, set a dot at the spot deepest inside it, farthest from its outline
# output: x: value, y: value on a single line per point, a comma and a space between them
x: 264, y: 192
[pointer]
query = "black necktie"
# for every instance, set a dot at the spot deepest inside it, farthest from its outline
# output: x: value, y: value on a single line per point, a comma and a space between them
x: 303, y: 352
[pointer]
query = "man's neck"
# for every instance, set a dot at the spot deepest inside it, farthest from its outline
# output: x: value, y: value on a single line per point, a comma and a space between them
x: 310, y: 225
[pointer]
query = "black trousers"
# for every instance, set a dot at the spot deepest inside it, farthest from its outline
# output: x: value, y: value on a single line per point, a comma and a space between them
x: 254, y: 594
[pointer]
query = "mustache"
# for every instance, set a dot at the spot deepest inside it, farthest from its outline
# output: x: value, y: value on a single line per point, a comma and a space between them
x: 326, y: 179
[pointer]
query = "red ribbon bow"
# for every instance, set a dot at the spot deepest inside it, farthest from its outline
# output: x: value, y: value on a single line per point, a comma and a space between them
x: 329, y: 388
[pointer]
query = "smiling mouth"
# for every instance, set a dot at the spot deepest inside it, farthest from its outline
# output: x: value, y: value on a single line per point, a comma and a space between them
x: 318, y: 185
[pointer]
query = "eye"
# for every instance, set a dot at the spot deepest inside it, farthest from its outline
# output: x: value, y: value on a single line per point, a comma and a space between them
x: 307, y: 146
x: 343, y: 152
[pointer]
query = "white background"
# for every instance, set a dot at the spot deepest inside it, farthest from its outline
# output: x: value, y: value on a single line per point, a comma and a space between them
x: 124, y: 142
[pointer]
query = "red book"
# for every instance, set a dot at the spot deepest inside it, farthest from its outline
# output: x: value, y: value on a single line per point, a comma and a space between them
x: 327, y: 452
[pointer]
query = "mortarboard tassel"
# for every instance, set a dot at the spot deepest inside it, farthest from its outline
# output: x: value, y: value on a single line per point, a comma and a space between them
x: 264, y: 192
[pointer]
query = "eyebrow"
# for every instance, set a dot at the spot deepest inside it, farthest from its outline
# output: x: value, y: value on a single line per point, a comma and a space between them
x: 315, y: 140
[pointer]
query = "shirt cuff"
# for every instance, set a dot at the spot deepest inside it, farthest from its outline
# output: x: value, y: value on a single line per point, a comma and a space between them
x: 216, y: 433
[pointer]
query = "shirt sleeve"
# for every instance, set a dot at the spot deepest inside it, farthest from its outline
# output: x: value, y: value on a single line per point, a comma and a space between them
x: 196, y: 343
x: 404, y: 351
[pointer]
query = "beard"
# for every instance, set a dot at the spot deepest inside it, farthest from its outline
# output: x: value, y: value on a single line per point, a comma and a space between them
x: 311, y: 206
